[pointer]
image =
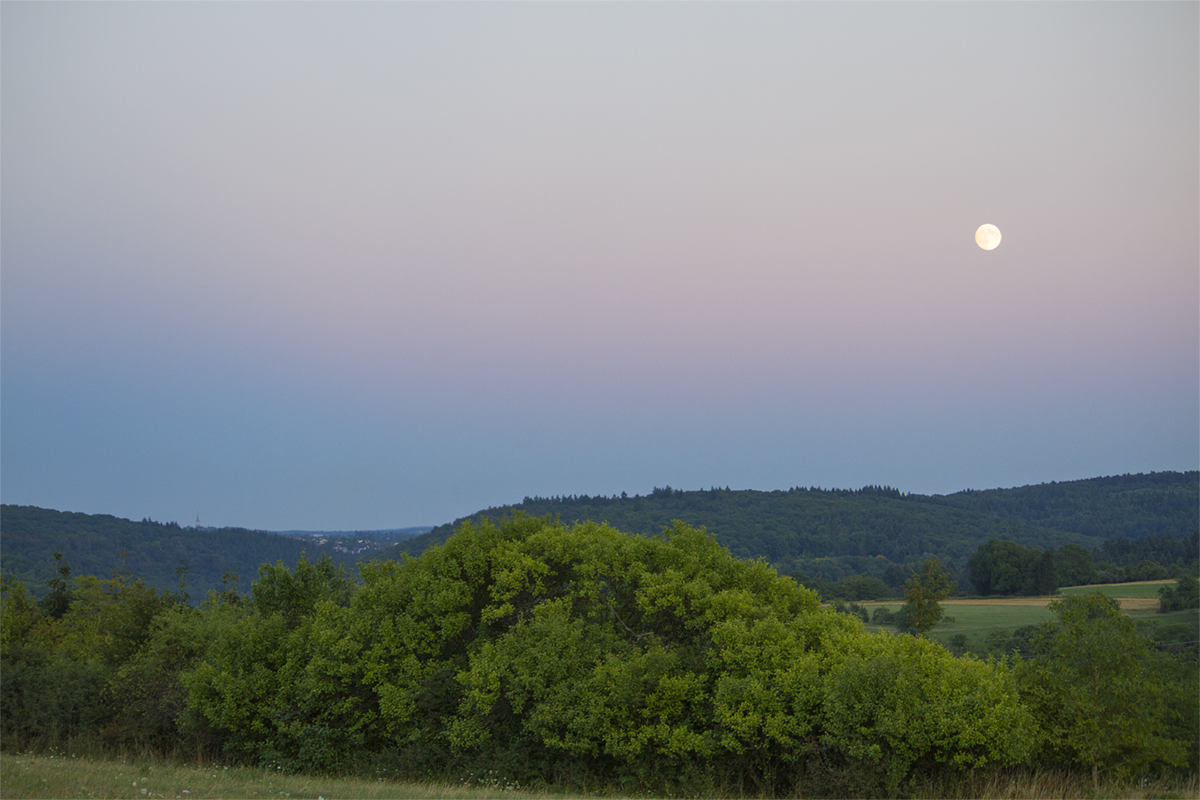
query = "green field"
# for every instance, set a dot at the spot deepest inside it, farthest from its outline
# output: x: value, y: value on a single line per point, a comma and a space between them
x: 1175, y: 618
x: 976, y: 618
x: 1142, y: 589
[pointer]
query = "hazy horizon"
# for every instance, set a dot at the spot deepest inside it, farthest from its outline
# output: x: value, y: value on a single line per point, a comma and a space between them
x: 329, y: 266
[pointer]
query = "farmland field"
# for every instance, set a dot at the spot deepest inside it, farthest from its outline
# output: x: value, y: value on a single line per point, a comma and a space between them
x: 1142, y: 589
x: 980, y: 616
x: 976, y: 617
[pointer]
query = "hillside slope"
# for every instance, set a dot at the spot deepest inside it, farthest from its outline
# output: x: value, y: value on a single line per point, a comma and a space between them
x: 1133, y: 506
x: 92, y: 544
x: 877, y: 530
x: 825, y: 534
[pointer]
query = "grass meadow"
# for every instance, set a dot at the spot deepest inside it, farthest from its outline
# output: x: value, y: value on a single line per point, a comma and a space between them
x: 58, y: 776
x: 36, y: 776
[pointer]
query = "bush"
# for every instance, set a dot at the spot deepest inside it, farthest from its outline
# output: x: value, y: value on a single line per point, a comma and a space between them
x: 1184, y: 595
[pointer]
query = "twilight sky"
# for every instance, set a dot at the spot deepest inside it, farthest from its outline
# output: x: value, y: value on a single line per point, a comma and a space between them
x: 335, y: 266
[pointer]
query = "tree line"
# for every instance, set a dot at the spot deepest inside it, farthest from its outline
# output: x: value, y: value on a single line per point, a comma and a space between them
x: 1118, y: 506
x: 1006, y: 568
x: 832, y: 534
x: 1000, y: 568
x: 573, y: 656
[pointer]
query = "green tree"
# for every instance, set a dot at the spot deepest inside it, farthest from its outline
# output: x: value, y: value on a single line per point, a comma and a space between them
x: 1148, y: 570
x: 1101, y: 691
x: 58, y: 600
x: 295, y: 593
x: 54, y: 670
x: 922, y: 594
x: 1185, y: 594
x: 152, y: 711
x: 1000, y: 567
x: 18, y: 612
x: 1074, y: 565
x: 537, y: 649
x: 1046, y: 575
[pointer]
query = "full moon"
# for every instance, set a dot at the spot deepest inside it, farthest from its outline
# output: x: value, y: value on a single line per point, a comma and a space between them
x: 988, y: 237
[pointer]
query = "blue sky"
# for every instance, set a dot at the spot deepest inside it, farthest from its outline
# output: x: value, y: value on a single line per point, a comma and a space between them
x: 334, y: 266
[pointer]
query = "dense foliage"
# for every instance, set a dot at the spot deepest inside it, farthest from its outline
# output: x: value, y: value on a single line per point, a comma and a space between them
x: 1105, y: 697
x: 1006, y: 568
x: 572, y: 655
x: 1123, y: 559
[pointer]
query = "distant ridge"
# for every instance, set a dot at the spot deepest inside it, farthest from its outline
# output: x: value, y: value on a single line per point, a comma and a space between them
x: 831, y: 533
x: 823, y: 533
x: 93, y: 544
x: 1133, y: 506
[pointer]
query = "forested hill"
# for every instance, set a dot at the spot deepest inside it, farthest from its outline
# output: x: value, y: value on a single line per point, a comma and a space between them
x: 1133, y: 506
x: 878, y: 530
x: 828, y: 534
x: 92, y: 544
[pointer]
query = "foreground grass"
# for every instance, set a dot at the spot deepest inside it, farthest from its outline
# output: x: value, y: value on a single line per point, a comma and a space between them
x: 1030, y: 784
x: 37, y: 776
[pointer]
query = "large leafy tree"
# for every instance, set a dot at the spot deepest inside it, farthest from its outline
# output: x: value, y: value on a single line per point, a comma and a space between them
x: 1105, y: 697
x: 1046, y: 575
x: 1002, y: 567
x: 1073, y: 565
x: 536, y: 649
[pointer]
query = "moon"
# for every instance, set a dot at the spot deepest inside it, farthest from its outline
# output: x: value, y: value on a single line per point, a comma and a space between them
x: 988, y: 236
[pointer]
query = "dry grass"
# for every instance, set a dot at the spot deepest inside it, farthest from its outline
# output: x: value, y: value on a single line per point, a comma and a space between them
x: 1140, y: 596
x: 1026, y: 785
